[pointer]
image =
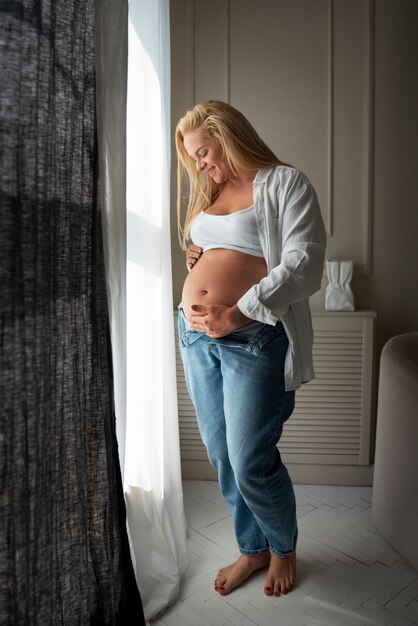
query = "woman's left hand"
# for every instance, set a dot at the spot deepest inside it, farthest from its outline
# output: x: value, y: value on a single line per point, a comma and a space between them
x: 217, y: 320
x: 193, y: 254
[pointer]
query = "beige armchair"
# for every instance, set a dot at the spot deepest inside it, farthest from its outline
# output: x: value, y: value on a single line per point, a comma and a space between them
x: 395, y: 485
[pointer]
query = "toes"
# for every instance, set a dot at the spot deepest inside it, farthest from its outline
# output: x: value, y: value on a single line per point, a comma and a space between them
x: 278, y: 587
x: 268, y: 590
x: 220, y: 586
x: 284, y: 586
x: 220, y: 583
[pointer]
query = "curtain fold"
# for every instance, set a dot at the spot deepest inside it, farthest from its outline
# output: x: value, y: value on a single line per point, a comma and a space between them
x: 111, y: 39
x: 152, y: 474
x: 64, y: 553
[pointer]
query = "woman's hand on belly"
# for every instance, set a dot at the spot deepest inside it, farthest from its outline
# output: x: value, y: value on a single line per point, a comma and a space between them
x: 193, y: 254
x: 217, y: 320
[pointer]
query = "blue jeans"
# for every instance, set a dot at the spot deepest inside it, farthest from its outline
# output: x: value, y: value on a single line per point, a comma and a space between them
x: 236, y: 384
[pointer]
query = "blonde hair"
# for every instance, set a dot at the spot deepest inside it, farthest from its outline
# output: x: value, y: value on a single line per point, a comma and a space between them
x: 241, y: 146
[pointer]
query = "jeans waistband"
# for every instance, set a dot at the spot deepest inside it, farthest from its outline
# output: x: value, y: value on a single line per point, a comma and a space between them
x: 247, y: 331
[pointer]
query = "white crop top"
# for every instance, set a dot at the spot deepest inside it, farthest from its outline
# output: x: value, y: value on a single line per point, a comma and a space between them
x: 236, y: 231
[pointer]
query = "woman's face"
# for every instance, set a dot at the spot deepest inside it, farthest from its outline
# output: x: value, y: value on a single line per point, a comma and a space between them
x: 208, y: 155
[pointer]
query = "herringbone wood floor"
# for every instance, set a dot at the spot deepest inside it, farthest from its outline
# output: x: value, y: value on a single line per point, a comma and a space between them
x: 347, y: 574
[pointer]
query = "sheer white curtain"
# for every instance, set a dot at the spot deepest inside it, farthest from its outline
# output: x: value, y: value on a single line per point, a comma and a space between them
x: 152, y: 460
x: 145, y: 386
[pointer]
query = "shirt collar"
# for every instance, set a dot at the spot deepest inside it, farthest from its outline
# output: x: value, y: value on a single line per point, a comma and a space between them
x: 262, y: 175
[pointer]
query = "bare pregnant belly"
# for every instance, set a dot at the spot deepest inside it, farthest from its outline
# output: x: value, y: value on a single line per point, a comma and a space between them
x: 221, y: 277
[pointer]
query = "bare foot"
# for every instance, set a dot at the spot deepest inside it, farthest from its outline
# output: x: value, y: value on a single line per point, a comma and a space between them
x: 281, y: 575
x: 230, y: 577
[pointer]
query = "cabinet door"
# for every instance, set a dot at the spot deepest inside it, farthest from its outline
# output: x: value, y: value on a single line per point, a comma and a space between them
x: 331, y: 422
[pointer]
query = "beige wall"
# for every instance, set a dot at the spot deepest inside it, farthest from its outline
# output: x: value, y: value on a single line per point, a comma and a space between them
x: 331, y: 85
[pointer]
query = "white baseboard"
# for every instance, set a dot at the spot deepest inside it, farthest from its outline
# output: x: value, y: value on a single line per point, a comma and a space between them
x: 300, y: 473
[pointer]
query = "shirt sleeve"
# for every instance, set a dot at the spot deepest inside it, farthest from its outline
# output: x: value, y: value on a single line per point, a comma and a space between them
x: 299, y: 273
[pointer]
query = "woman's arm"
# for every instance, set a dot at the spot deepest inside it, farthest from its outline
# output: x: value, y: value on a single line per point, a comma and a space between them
x: 298, y: 274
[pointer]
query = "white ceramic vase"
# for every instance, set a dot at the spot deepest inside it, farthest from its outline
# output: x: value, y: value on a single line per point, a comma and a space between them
x: 338, y: 294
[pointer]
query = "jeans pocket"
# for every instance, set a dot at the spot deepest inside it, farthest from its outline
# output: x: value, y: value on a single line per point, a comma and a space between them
x: 186, y: 337
x: 262, y: 338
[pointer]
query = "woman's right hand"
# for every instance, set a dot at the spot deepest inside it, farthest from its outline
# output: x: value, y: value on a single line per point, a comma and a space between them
x: 193, y: 254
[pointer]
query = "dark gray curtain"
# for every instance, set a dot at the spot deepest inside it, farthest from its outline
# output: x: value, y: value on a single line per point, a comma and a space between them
x: 64, y: 554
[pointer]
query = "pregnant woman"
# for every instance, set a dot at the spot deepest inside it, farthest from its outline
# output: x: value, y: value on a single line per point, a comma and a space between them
x: 254, y: 241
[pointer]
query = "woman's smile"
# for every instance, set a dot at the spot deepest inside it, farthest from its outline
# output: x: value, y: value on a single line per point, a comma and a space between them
x: 208, y: 155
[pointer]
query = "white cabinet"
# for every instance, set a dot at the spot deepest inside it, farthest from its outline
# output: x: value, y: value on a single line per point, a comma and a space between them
x: 328, y: 437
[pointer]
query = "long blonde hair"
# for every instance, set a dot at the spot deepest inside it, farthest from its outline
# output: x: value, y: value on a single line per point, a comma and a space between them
x: 240, y: 143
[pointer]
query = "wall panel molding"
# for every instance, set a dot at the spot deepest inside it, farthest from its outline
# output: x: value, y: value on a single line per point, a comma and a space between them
x: 327, y: 208
x: 353, y: 133
x: 211, y: 50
